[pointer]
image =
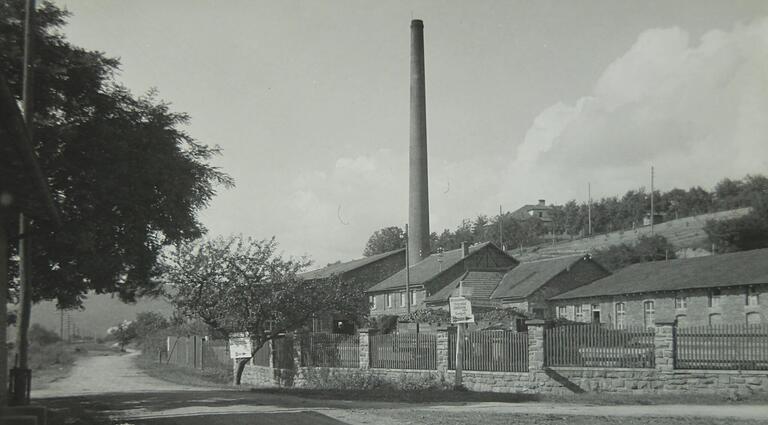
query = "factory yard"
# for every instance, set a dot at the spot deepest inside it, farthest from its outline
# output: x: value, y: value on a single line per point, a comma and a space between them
x: 112, y: 389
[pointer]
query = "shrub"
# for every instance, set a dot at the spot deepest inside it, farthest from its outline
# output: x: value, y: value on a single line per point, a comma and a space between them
x: 42, y: 336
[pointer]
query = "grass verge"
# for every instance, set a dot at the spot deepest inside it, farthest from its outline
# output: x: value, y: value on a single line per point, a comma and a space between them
x: 452, y: 396
x: 184, y: 376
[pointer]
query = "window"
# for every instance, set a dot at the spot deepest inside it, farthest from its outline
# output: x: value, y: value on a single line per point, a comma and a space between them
x: 402, y: 299
x: 714, y: 298
x: 681, y: 320
x: 621, y: 312
x: 649, y: 313
x: 752, y: 296
x: 579, y: 313
x: 413, y: 297
x: 389, y: 300
x: 753, y: 318
x: 681, y: 302
x: 372, y: 301
x: 562, y: 312
x: 595, y: 313
x: 715, y: 319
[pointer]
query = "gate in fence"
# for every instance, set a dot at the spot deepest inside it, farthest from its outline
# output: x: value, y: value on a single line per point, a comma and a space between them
x: 196, y: 352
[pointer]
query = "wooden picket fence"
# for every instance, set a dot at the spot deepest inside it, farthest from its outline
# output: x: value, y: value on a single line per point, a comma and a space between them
x: 196, y: 352
x: 404, y: 351
x: 330, y: 350
x: 734, y: 347
x: 494, y: 351
x: 591, y: 345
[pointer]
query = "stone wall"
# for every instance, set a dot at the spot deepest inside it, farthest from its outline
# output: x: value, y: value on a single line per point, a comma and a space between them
x: 539, y: 379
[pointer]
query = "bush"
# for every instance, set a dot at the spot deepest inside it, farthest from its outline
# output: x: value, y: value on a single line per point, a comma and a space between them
x: 44, y: 356
x: 41, y: 336
x: 323, y: 378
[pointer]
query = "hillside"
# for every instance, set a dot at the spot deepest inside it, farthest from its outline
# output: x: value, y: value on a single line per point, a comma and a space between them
x: 684, y: 233
x: 101, y: 312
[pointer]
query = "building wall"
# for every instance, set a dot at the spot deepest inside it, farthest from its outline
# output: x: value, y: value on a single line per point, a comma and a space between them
x: 487, y: 258
x: 397, y: 308
x: 732, y: 308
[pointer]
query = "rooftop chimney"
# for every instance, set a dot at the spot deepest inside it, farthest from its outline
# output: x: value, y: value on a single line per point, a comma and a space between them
x: 464, y: 250
x: 418, y: 201
x: 542, y: 202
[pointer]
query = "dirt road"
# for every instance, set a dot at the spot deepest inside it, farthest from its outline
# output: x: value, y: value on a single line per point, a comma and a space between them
x: 114, y: 386
x: 103, y: 374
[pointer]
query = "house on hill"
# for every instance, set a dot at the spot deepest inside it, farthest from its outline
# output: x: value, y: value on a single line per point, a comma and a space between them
x: 541, y: 211
x: 432, y: 274
x: 721, y: 289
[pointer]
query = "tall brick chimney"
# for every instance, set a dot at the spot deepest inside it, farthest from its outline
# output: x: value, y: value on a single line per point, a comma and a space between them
x: 418, y: 201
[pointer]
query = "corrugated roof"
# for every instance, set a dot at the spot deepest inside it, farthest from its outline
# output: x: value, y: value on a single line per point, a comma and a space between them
x: 738, y: 268
x: 428, y: 268
x: 478, y: 286
x: 526, y: 278
x: 339, y: 268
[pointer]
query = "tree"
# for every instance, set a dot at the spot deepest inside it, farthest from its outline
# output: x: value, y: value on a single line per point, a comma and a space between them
x: 125, y: 332
x: 385, y: 240
x: 742, y: 233
x: 127, y: 179
x: 149, y: 322
x: 648, y: 248
x: 239, y: 284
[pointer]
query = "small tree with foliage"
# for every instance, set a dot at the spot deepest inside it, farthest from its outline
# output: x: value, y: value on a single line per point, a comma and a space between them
x: 125, y: 332
x: 239, y: 284
x: 742, y: 233
x: 385, y: 240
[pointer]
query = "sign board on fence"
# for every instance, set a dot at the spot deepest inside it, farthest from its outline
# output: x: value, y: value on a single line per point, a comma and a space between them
x: 240, y: 345
x: 461, y: 310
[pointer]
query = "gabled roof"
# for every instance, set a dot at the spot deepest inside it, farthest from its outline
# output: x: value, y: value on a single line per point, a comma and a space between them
x: 522, y: 212
x: 526, y: 278
x: 430, y: 267
x: 734, y: 269
x: 340, y: 268
x: 477, y: 286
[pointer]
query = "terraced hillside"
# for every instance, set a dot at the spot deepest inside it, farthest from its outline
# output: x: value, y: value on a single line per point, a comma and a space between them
x: 683, y: 233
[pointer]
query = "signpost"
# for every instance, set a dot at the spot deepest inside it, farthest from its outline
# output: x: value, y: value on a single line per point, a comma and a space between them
x: 240, y: 345
x: 461, y: 314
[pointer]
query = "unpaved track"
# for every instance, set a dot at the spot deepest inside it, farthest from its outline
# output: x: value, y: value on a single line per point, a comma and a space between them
x: 108, y: 374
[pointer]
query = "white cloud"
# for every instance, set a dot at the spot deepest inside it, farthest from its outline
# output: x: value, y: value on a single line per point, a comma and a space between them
x: 695, y: 110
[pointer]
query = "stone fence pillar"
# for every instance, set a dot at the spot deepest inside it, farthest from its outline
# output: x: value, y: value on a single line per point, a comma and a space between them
x: 664, y: 348
x: 535, y: 346
x: 442, y: 348
x: 297, y: 337
x: 365, y: 348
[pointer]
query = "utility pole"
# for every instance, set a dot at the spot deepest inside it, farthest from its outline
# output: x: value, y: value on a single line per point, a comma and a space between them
x: 407, y: 274
x: 21, y: 373
x: 589, y: 209
x: 652, y: 212
x: 459, y: 346
x: 501, y: 231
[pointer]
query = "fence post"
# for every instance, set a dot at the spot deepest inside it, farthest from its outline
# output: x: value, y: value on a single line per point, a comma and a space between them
x: 297, y: 350
x: 271, y: 347
x: 664, y: 345
x: 535, y: 346
x: 364, y: 353
x: 443, y: 351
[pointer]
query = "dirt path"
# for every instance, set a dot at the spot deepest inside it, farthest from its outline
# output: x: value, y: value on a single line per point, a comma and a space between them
x: 115, y: 373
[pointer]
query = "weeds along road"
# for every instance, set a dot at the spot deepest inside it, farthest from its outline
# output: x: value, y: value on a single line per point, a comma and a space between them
x: 114, y: 390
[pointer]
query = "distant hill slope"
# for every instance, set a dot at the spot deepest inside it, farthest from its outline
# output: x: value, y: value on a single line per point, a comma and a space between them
x: 684, y: 233
x: 101, y: 312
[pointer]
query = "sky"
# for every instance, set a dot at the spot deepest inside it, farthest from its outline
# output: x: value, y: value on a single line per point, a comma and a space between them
x: 526, y: 100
